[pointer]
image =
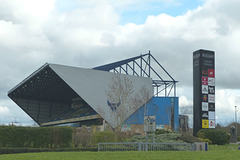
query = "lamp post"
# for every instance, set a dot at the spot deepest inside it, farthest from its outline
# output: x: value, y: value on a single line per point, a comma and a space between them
x: 236, y: 119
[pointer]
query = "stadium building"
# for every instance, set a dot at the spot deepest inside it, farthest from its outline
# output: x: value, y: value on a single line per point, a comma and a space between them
x: 118, y: 94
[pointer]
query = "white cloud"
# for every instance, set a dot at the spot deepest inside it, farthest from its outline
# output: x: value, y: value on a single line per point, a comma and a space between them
x: 32, y: 13
x: 226, y: 100
x: 4, y: 110
x: 183, y: 101
x: 90, y: 35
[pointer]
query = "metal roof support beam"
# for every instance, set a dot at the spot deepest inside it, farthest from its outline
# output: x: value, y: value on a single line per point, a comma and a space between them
x: 143, y: 63
x: 175, y: 90
x: 115, y: 71
x: 165, y: 90
x: 149, y: 64
x: 145, y: 67
x: 142, y: 70
x: 134, y: 72
x: 155, y: 73
x: 121, y: 68
x: 162, y: 68
x: 134, y: 69
x: 141, y: 66
x: 170, y: 89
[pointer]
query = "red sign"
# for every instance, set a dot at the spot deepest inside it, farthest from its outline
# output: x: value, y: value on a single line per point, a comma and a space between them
x: 211, y: 73
x: 205, y: 80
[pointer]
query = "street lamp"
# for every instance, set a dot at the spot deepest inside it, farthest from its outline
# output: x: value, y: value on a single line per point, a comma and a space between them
x: 236, y: 119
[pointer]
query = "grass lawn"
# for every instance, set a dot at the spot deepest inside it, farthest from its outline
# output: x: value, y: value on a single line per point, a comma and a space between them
x: 215, y: 152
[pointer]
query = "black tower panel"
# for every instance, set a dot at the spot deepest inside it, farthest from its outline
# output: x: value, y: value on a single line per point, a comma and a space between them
x: 203, y: 90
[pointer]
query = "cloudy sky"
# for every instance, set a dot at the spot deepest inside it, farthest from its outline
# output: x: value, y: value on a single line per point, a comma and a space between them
x: 90, y: 33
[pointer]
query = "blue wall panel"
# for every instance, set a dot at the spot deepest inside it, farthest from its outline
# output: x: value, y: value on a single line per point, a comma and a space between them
x: 161, y: 108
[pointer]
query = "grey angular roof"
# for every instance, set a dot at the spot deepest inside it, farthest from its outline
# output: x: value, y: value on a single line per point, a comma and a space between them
x: 113, y: 96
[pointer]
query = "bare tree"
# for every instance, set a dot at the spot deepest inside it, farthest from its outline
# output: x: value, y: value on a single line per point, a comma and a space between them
x: 118, y: 94
x: 123, y: 100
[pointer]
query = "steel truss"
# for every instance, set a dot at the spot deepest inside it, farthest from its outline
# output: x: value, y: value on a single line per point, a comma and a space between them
x: 142, y: 65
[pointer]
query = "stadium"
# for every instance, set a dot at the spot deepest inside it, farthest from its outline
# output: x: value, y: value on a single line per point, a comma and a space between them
x: 118, y: 94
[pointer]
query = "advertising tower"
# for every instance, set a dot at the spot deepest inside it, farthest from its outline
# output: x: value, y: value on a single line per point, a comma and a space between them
x: 203, y: 90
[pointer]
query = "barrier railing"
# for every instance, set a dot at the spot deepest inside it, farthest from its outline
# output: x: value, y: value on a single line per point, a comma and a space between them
x: 133, y: 146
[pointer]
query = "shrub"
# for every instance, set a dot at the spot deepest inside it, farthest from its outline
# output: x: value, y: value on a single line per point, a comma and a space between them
x: 104, y: 137
x: 35, y: 137
x: 122, y: 136
x: 82, y: 138
x: 160, y: 138
x: 217, y: 136
x: 189, y: 138
x: 163, y: 131
x: 205, y: 140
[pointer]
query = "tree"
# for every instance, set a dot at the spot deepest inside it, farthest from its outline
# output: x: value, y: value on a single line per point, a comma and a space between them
x: 123, y: 100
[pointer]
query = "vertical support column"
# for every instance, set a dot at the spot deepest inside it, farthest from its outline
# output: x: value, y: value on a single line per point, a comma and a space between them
x: 165, y: 90
x: 133, y: 68
x: 126, y: 68
x: 175, y: 92
x: 149, y: 64
x: 141, y: 66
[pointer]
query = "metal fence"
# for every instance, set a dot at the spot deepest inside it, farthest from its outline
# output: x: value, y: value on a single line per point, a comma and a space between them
x: 132, y: 146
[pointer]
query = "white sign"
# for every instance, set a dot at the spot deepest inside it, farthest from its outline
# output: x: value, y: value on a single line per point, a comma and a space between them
x: 211, y: 115
x: 205, y: 89
x: 211, y: 98
x: 211, y: 123
x: 160, y: 126
x: 204, y: 106
x: 149, y: 123
x: 126, y: 127
x: 211, y: 81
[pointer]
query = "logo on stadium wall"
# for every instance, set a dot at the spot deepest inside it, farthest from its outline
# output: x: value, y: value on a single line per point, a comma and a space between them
x: 113, y: 106
x: 211, y: 73
x: 204, y: 80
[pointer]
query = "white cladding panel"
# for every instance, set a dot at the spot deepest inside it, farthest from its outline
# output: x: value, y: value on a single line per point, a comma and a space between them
x: 113, y: 96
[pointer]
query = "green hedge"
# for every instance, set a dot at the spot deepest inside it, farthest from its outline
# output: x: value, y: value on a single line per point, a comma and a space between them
x: 104, y: 137
x: 31, y: 150
x: 217, y: 136
x: 35, y: 137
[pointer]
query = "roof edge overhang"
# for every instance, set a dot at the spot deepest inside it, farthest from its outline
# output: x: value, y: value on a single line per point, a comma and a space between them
x: 30, y: 76
x: 70, y: 120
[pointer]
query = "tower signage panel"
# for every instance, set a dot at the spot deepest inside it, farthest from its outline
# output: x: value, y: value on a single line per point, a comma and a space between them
x: 203, y: 90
